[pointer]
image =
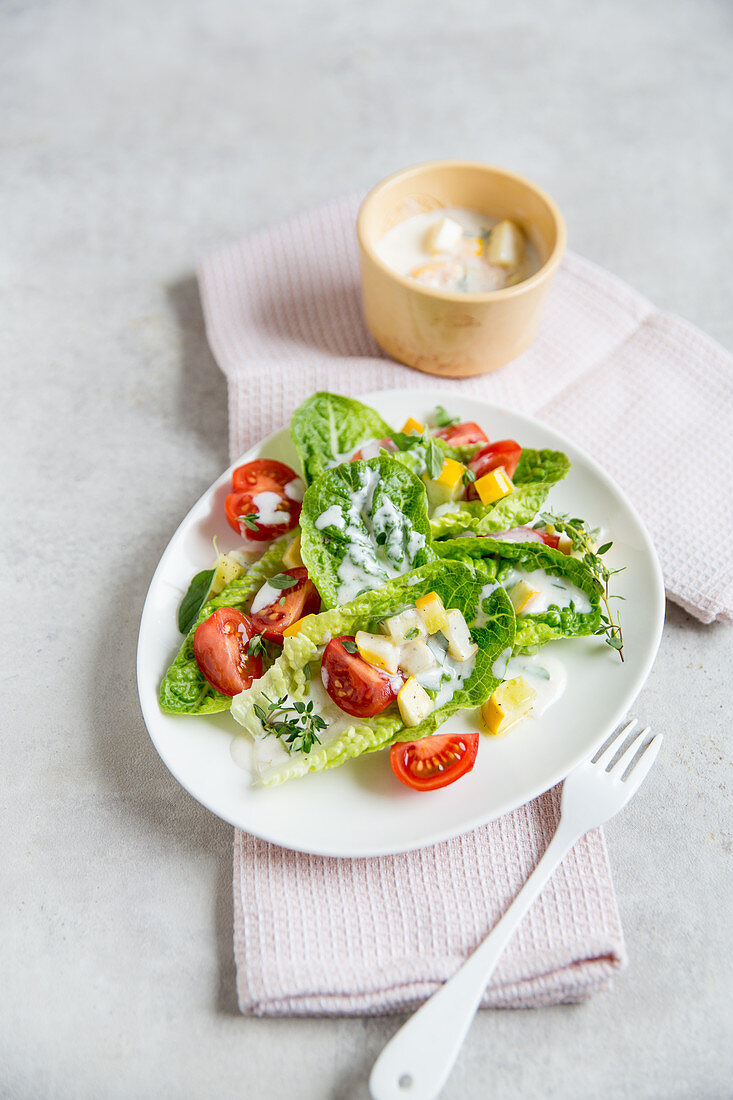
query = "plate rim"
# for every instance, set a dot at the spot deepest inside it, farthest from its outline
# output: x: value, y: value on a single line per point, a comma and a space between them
x: 629, y: 696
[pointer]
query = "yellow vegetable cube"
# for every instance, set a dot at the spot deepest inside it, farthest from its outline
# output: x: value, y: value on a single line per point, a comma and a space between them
x: 291, y: 557
x: 378, y: 650
x: 451, y: 474
x: 411, y: 426
x: 432, y: 612
x: 401, y: 628
x: 414, y: 702
x: 494, y: 485
x: 511, y: 702
x: 521, y: 594
x: 296, y: 627
x: 227, y: 569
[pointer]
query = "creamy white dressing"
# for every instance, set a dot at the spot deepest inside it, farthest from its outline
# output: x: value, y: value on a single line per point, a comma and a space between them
x: 551, y: 591
x: 459, y: 264
x: 266, y: 595
x: 545, y: 673
x: 448, y: 675
x: 268, y: 512
x: 365, y: 564
x: 295, y: 489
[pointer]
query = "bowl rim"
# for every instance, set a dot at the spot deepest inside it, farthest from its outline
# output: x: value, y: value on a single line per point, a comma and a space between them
x: 547, y: 268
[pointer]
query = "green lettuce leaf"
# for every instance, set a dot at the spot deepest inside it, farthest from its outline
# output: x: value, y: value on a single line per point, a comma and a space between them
x: 327, y: 426
x: 378, y: 527
x: 536, y: 473
x: 457, y: 586
x: 493, y: 560
x: 184, y: 688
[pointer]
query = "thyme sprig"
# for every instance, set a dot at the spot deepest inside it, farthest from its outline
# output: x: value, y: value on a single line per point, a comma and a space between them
x: 293, y: 723
x: 584, y: 540
x: 249, y: 520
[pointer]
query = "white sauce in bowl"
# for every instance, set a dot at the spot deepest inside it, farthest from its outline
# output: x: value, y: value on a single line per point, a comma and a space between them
x: 450, y: 249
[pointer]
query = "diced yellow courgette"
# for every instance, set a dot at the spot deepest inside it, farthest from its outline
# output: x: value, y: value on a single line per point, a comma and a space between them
x: 414, y: 702
x: 494, y: 486
x: 411, y: 426
x: 296, y: 627
x: 398, y: 627
x: 416, y: 656
x: 458, y: 636
x: 226, y: 569
x: 511, y: 702
x: 291, y: 557
x: 378, y: 650
x: 432, y: 612
x: 521, y: 594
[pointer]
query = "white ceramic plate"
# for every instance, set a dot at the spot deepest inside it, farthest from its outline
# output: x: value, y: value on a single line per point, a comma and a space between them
x: 360, y: 809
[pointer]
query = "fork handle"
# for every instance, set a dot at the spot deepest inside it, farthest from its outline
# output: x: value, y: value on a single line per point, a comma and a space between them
x: 416, y: 1062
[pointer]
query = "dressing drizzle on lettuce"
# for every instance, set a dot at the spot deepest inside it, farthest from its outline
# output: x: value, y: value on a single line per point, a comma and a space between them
x: 363, y: 523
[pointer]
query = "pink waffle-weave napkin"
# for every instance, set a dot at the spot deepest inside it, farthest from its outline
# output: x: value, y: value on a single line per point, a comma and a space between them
x: 625, y: 381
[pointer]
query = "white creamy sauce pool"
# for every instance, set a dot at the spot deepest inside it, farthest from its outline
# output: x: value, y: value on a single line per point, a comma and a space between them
x: 367, y: 565
x: 550, y: 590
x: 542, y: 672
x: 459, y: 263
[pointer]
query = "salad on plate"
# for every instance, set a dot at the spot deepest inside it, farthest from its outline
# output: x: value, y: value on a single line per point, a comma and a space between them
x: 400, y: 577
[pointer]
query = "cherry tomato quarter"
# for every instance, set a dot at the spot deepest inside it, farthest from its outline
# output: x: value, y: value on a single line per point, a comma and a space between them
x: 434, y: 762
x: 354, y: 685
x: 294, y: 603
x: 220, y: 648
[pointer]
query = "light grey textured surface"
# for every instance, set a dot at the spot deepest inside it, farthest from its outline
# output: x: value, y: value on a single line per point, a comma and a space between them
x: 133, y: 138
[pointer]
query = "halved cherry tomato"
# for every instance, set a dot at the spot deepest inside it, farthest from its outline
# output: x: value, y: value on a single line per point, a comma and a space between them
x: 300, y: 600
x: 505, y: 452
x: 354, y: 685
x: 263, y: 475
x: 461, y: 435
x: 435, y: 761
x: 220, y: 648
x: 386, y: 444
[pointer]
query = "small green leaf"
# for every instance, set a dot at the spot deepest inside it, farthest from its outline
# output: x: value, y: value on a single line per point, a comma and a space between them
x: 194, y: 600
x: 605, y: 548
x: 281, y: 581
x: 468, y: 477
x: 349, y: 645
x: 435, y: 459
x: 413, y: 633
x: 443, y: 419
x: 249, y: 519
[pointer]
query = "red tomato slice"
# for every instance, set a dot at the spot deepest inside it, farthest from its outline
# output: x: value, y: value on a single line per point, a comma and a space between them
x: 387, y: 444
x: 548, y: 539
x: 461, y: 435
x: 434, y: 762
x: 505, y: 452
x: 302, y: 599
x: 263, y: 475
x: 220, y: 648
x: 354, y: 685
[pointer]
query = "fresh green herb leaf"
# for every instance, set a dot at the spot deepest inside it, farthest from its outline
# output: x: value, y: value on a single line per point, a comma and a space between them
x: 194, y: 599
x: 413, y: 633
x: 584, y: 545
x: 307, y: 671
x: 295, y: 724
x: 281, y: 581
x: 434, y: 458
x: 256, y: 646
x: 349, y: 645
x: 250, y: 520
x: 381, y: 538
x: 468, y: 477
x: 443, y: 419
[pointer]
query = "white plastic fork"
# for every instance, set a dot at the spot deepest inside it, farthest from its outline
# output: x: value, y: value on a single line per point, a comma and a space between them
x: 416, y: 1062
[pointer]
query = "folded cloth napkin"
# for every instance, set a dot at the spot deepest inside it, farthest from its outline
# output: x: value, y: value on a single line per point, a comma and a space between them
x: 636, y: 388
